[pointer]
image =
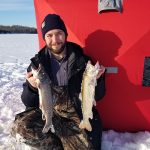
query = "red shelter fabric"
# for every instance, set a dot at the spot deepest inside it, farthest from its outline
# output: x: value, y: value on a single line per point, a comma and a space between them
x: 119, y: 40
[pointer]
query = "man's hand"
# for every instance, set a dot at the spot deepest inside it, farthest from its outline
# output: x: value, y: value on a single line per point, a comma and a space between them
x: 101, y: 71
x: 31, y: 79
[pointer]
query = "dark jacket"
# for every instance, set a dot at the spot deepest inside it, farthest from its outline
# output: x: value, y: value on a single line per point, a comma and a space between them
x: 76, y: 66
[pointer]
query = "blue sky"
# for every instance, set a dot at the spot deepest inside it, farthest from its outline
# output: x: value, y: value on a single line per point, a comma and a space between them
x: 17, y: 12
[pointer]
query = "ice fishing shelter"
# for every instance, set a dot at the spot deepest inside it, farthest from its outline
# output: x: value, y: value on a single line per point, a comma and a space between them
x: 120, y: 41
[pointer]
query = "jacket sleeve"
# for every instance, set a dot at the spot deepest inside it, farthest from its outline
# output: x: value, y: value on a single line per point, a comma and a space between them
x: 29, y: 96
x: 100, y: 88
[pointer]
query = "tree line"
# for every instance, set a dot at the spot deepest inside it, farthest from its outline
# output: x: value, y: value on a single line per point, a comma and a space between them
x: 17, y: 29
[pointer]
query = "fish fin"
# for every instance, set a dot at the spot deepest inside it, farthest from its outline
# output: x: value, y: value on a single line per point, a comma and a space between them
x: 85, y: 125
x: 52, y: 129
x: 40, y: 67
x: 80, y: 97
x: 89, y: 62
x: 94, y: 103
x: 97, y: 66
x: 47, y: 128
x: 43, y: 117
x: 91, y: 116
x: 95, y: 82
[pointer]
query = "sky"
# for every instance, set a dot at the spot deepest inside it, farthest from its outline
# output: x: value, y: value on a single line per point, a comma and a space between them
x: 17, y: 12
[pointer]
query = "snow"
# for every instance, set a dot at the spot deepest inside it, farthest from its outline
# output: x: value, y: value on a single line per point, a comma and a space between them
x: 15, y: 53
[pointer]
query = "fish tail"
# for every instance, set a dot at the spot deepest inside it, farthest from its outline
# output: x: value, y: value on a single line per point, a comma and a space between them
x: 48, y: 125
x: 85, y: 125
x: 47, y: 128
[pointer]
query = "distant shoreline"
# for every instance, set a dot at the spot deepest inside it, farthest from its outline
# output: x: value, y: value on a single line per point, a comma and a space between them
x: 17, y: 33
x: 17, y: 29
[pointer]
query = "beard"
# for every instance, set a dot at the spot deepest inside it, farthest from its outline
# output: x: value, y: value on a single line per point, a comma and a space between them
x: 58, y: 51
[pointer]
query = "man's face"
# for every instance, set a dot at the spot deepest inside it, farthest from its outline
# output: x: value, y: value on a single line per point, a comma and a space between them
x: 55, y: 40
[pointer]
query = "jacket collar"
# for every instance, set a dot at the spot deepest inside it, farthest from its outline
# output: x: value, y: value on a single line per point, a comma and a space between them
x: 76, y: 59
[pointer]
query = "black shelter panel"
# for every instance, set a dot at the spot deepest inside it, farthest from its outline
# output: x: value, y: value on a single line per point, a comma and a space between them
x: 146, y: 72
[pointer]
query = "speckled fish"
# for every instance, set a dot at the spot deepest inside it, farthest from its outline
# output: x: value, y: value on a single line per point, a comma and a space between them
x: 45, y: 97
x: 87, y: 94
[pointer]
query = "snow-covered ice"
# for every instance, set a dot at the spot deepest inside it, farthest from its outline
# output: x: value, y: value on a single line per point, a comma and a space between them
x: 15, y: 53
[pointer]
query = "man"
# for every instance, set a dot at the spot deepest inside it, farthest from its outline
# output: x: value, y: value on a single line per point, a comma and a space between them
x: 65, y: 63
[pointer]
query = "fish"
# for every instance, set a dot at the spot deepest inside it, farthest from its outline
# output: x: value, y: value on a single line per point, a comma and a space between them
x: 89, y: 81
x: 45, y: 97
